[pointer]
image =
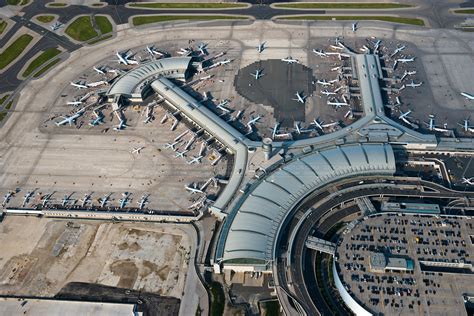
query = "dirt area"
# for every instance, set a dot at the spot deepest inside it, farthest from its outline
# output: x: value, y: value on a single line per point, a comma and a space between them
x: 40, y: 256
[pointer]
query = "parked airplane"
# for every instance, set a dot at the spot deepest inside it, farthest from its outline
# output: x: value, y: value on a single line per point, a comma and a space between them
x: 152, y: 51
x: 142, y: 202
x: 120, y: 126
x: 46, y: 199
x: 99, y: 118
x: 404, y: 117
x: 320, y: 53
x: 56, y: 26
x: 185, y: 51
x: 407, y: 73
x: 328, y: 93
x: 432, y: 127
x: 65, y: 200
x: 405, y: 60
x: 275, y: 129
x: 75, y: 103
x: 337, y: 104
x: 251, y: 123
x: 466, y: 127
x: 321, y: 124
x: 79, y: 85
x: 104, y: 200
x: 257, y: 74
x: 136, y: 150
x: 354, y: 26
x: 202, y: 47
x: 99, y: 70
x: 468, y: 95
x: 193, y: 188
x: 124, y: 201
x: 412, y: 84
x: 125, y: 59
x: 27, y: 197
x: 172, y: 145
x: 290, y: 60
x: 86, y: 199
x: 7, y: 197
x: 469, y: 181
x: 324, y: 82
x: 261, y: 47
x: 96, y: 84
x: 71, y: 119
x: 181, y: 154
x: 301, y: 98
x: 196, y: 159
x: 398, y: 50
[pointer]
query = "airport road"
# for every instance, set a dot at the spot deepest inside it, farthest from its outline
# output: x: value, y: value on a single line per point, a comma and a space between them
x: 299, y: 268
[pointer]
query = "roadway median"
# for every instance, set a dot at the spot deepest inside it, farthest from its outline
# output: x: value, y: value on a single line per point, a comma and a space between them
x: 187, y: 5
x: 341, y: 5
x: 160, y: 18
x: 383, y: 18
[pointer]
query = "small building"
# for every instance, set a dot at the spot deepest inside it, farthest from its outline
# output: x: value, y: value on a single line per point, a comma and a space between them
x: 381, y: 263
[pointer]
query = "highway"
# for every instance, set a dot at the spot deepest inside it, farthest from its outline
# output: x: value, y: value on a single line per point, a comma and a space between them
x: 300, y: 270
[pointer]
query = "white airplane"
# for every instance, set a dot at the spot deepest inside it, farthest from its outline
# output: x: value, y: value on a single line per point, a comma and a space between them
x: 320, y: 53
x: 99, y: 70
x: 7, y: 197
x: 65, y: 200
x: 412, y: 84
x: 103, y: 201
x: 46, y: 199
x: 142, y: 202
x: 321, y: 124
x: 404, y: 114
x: 71, y: 119
x: 466, y: 127
x: 257, y: 74
x: 196, y: 159
x: 185, y: 51
x: 202, y: 47
x: 120, y: 126
x: 224, y: 62
x: 181, y: 154
x: 398, y: 50
x: 136, y: 150
x: 222, y: 108
x: 172, y: 145
x: 408, y: 73
x: 261, y: 47
x: 251, y: 123
x: 290, y: 60
x: 354, y: 26
x: 125, y: 59
x: 27, y: 197
x: 469, y: 181
x: 123, y: 202
x: 75, y: 103
x: 79, y: 85
x: 432, y: 127
x: 193, y: 188
x: 56, y: 26
x: 300, y: 97
x: 99, y: 119
x: 467, y: 95
x: 337, y: 104
x: 97, y: 83
x: 86, y: 199
x: 324, y: 82
x: 328, y: 93
x: 406, y: 60
x: 275, y: 129
x: 152, y: 51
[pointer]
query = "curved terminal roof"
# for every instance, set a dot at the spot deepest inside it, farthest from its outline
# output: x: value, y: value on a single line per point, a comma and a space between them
x: 215, y: 126
x: 172, y: 67
x: 250, y: 230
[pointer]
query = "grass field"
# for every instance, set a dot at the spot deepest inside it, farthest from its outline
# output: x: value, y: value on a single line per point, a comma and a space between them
x: 17, y: 2
x: 2, y: 99
x: 188, y: 5
x: 57, y: 4
x: 45, y: 56
x: 104, y: 24
x: 45, y: 68
x: 45, y: 18
x: 81, y: 29
x: 14, y: 50
x: 393, y: 19
x: 342, y: 5
x: 465, y: 11
x: 100, y: 39
x: 3, y: 25
x: 146, y: 19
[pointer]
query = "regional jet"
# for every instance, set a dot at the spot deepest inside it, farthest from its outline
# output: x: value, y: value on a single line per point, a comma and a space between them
x: 181, y: 154
x: 406, y: 60
x: 337, y: 104
x: 46, y: 199
x: 468, y: 95
x: 354, y: 27
x: 27, y: 197
x: 261, y: 47
x: 251, y: 123
x: 398, y: 50
x: 466, y: 127
x: 469, y: 181
x: 99, y: 118
x: 257, y: 74
x: 142, y: 202
x: 79, y: 85
x: 96, y: 84
x: 120, y: 126
x: 290, y: 60
x: 103, y: 201
x: 185, y: 51
x: 404, y: 117
x: 193, y: 188
x: 56, y: 26
x: 408, y: 73
x: 300, y: 97
x: 136, y: 150
x: 123, y: 202
x: 86, y: 199
x: 65, y: 200
x: 432, y: 127
x: 320, y: 53
x: 412, y: 84
x: 324, y: 82
x: 75, y: 103
x: 328, y: 93
x: 202, y: 47
x: 71, y: 119
x: 7, y: 197
x: 275, y: 129
x: 172, y: 145
x: 99, y: 70
x: 196, y: 159
x: 321, y: 124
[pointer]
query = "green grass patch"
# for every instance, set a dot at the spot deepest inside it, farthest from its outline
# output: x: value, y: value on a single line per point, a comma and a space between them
x: 57, y: 4
x: 465, y: 11
x: 104, y: 24
x: 3, y: 115
x: 3, y: 26
x: 188, y: 5
x: 97, y: 5
x: 81, y: 29
x: 14, y: 50
x: 217, y: 299
x: 146, y: 19
x: 9, y: 105
x: 45, y: 18
x: 45, y: 68
x: 17, y: 2
x: 271, y: 308
x: 393, y: 19
x: 341, y: 5
x: 48, y: 54
x: 100, y: 39
x: 2, y: 99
